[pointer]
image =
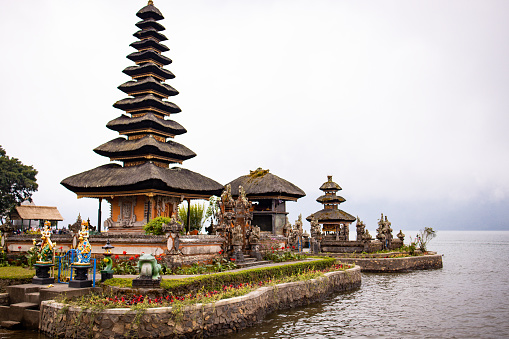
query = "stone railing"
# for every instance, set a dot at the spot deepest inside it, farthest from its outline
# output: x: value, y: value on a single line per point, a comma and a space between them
x: 219, y: 318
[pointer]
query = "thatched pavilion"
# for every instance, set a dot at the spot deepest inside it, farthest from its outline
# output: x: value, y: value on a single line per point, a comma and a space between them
x: 144, y: 186
x: 269, y: 193
x: 23, y: 215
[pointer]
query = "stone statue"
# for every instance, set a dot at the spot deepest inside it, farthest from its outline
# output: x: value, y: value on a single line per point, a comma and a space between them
x: 83, y: 249
x: 254, y: 236
x: 243, y: 197
x: 174, y: 226
x: 401, y: 236
x: 226, y: 196
x: 148, y: 266
x: 316, y: 236
x: 388, y: 233
x: 360, y: 226
x: 367, y: 236
x: 45, y: 255
x: 237, y: 236
x: 287, y: 228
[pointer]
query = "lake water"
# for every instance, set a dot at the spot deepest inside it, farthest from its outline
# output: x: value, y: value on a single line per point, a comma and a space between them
x: 468, y: 298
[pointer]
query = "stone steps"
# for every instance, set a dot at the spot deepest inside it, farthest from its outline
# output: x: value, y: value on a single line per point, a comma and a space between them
x: 11, y: 325
x: 252, y: 263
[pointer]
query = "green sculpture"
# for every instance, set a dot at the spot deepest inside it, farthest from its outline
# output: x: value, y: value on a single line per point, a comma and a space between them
x: 109, y: 263
x: 148, y: 266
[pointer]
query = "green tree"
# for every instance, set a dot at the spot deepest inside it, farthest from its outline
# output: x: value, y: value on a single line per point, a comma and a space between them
x: 17, y: 183
x: 197, y: 216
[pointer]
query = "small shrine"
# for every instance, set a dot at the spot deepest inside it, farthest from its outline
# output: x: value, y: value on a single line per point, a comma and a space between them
x: 234, y: 224
x: 335, y: 222
x: 269, y: 194
x: 143, y: 186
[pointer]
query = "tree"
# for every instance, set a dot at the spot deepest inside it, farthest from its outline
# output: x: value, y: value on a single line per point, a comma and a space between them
x: 424, y: 237
x: 197, y: 216
x: 17, y: 183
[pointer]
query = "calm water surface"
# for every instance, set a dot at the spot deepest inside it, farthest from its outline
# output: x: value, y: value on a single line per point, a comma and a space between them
x: 468, y: 298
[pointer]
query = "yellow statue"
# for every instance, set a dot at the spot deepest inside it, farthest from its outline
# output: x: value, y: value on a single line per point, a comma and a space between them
x: 45, y: 255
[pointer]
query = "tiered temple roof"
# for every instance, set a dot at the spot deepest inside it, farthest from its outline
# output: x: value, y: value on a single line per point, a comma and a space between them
x: 331, y: 212
x: 143, y: 147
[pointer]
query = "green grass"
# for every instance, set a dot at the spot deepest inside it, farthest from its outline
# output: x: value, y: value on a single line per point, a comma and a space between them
x: 16, y: 272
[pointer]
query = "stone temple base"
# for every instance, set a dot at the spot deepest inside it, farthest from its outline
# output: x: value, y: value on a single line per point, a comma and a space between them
x: 81, y: 277
x: 105, y: 275
x: 146, y: 282
x: 43, y: 281
x: 80, y: 283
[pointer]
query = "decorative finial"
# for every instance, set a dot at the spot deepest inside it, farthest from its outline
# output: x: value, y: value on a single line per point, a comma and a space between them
x: 329, y: 178
x: 150, y: 2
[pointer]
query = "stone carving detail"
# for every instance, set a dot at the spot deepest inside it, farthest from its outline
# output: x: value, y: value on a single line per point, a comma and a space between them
x: 234, y: 223
x: 401, y: 236
x: 316, y: 236
x: 384, y: 232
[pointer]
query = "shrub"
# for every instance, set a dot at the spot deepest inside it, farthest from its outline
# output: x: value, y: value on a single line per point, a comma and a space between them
x: 155, y: 226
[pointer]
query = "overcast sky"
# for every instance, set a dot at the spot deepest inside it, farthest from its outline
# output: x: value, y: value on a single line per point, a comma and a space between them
x: 404, y: 102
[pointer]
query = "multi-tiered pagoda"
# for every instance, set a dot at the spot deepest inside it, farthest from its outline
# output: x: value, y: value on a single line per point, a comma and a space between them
x: 144, y: 186
x: 333, y: 219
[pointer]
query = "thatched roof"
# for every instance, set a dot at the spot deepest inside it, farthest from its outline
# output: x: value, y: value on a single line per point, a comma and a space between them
x: 150, y: 33
x: 145, y: 84
x: 144, y: 24
x: 331, y: 215
x: 148, y: 68
x: 149, y: 55
x: 330, y: 185
x: 261, y: 183
x: 330, y: 199
x: 148, y: 100
x: 149, y: 43
x: 147, y: 145
x: 112, y: 178
x: 28, y: 212
x: 149, y: 120
x: 150, y: 12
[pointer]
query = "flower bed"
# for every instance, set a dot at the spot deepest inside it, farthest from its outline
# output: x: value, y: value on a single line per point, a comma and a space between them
x: 210, y: 316
x: 211, y: 282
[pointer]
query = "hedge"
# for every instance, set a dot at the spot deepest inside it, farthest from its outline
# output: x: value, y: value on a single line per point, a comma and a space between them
x: 211, y: 282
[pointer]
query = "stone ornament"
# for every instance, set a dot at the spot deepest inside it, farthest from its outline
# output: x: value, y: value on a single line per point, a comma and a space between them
x: 148, y: 266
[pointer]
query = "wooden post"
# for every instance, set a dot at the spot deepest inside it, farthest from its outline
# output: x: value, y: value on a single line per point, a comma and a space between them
x: 99, y: 216
x: 188, y: 216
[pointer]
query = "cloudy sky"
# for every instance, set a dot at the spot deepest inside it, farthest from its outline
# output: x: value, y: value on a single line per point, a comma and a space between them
x: 404, y: 102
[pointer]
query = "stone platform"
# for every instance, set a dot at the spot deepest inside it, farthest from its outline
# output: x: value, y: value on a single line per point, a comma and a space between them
x: 379, y: 264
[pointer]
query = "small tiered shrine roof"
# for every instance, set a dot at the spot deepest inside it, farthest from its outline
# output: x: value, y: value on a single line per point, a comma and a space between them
x: 143, y: 147
x: 331, y: 212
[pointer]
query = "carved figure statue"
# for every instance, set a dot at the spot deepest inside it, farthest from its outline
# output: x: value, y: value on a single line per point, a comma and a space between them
x: 287, y: 228
x: 174, y: 226
x: 83, y: 249
x: 254, y: 236
x: 148, y: 266
x: 226, y: 196
x: 237, y: 236
x: 45, y: 255
x: 360, y: 226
